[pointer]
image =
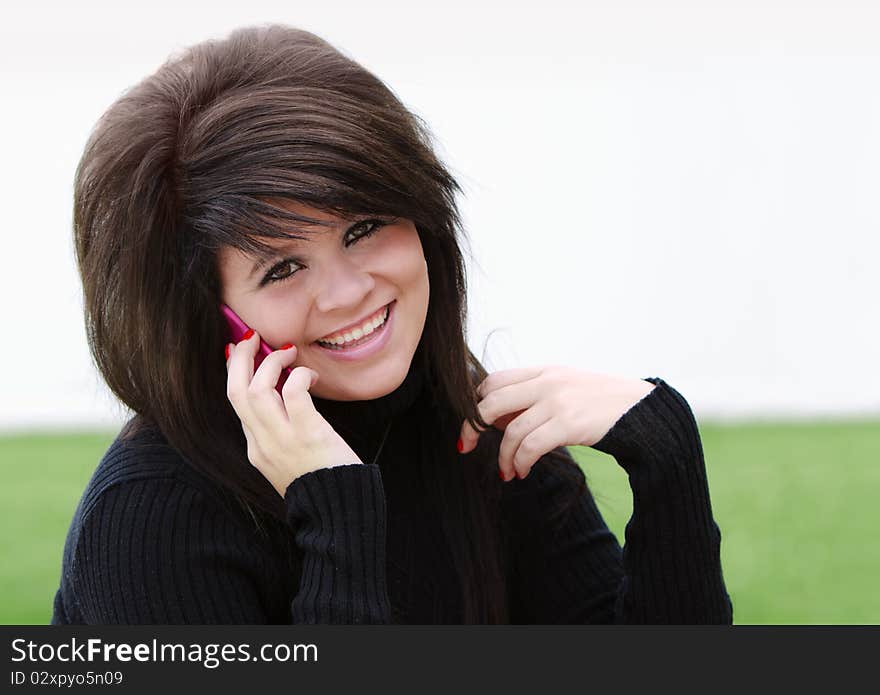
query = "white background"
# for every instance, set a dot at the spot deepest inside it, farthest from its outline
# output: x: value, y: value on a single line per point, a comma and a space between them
x: 686, y: 190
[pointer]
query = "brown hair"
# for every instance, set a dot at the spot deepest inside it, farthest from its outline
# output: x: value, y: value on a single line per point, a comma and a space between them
x: 185, y: 161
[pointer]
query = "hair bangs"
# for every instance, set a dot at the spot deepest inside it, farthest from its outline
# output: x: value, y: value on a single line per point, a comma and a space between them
x: 314, y: 146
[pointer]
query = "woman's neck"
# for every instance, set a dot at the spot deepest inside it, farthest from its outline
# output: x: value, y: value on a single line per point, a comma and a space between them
x: 363, y: 423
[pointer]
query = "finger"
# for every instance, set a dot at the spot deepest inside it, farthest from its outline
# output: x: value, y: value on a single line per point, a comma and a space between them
x: 240, y: 368
x: 507, y: 400
x: 506, y: 377
x: 259, y: 408
x: 538, y: 442
x: 295, y: 392
x: 266, y: 403
x: 515, y: 433
x: 471, y: 434
x: 468, y: 436
x: 269, y: 371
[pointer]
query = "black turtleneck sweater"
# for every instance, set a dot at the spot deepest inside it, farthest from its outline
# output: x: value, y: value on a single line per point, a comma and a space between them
x: 152, y: 542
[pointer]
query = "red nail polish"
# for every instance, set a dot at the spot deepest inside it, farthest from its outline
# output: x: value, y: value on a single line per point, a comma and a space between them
x: 226, y: 350
x: 287, y: 346
x: 459, y: 445
x: 501, y: 475
x: 247, y: 336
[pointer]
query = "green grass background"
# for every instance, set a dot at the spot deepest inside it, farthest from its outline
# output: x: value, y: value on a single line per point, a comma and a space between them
x: 796, y: 504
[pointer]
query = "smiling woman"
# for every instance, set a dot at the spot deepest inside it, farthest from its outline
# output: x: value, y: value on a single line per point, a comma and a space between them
x: 326, y: 287
x: 348, y: 459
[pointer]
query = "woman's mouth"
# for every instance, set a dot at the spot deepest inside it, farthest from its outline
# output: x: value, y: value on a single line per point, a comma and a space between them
x: 363, y: 340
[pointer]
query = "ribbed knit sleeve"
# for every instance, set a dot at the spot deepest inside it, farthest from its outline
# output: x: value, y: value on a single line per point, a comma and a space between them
x: 669, y: 571
x: 340, y: 520
x: 161, y: 551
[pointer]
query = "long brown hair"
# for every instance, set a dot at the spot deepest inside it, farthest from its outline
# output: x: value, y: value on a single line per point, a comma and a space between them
x: 187, y: 162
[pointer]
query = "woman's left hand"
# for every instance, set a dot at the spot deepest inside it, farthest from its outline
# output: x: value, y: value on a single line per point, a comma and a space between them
x: 541, y: 408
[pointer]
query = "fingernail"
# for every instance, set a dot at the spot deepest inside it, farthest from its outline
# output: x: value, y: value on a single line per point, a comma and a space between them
x: 286, y: 346
x: 501, y: 475
x: 248, y: 335
x: 460, y: 445
x: 226, y: 350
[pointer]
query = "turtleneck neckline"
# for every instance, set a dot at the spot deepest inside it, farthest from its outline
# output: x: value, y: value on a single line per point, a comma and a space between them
x: 366, y: 420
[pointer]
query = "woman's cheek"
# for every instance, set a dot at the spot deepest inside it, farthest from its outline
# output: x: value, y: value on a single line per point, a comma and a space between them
x: 285, y: 323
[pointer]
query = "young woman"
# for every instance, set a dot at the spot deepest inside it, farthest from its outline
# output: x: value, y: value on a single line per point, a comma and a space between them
x: 368, y: 470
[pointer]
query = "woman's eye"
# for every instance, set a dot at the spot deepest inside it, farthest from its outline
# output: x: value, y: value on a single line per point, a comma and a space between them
x: 361, y: 230
x: 366, y: 228
x: 272, y: 275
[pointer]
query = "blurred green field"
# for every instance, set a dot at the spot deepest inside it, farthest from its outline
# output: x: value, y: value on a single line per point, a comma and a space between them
x: 795, y: 503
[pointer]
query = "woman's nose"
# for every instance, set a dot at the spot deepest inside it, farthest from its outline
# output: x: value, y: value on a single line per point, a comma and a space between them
x: 343, y: 285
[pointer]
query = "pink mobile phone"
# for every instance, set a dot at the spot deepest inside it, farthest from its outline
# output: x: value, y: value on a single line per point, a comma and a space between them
x: 237, y: 329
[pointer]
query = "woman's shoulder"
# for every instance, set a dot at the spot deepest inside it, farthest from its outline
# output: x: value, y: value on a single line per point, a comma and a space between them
x: 140, y: 460
x: 158, y: 529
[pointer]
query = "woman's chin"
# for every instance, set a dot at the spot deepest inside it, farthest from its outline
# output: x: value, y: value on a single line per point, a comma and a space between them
x: 361, y: 387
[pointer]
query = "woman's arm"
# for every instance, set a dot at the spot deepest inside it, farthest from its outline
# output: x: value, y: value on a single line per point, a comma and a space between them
x: 340, y: 519
x: 161, y: 551
x: 669, y: 570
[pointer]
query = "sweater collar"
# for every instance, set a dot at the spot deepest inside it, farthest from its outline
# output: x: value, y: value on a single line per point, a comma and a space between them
x: 363, y: 423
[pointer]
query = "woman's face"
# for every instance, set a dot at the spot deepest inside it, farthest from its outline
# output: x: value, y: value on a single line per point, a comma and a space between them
x: 322, y: 287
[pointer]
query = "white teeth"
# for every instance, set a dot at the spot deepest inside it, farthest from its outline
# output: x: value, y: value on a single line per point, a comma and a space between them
x: 358, y: 333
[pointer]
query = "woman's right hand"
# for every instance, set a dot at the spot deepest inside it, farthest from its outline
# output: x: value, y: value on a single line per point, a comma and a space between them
x: 286, y: 436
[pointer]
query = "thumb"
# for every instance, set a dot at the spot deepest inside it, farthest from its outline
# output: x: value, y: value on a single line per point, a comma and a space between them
x: 468, y: 438
x: 295, y: 391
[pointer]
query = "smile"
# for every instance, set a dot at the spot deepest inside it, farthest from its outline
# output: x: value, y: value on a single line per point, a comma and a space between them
x: 358, y: 335
x: 379, y: 330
